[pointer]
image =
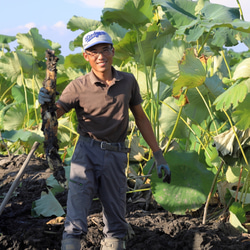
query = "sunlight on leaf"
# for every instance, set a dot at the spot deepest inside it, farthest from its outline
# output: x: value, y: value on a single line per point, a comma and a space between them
x: 84, y: 24
x: 167, y: 69
x: 220, y: 12
x: 128, y: 13
x: 232, y: 96
x: 227, y: 144
x: 192, y: 72
x: 179, y: 12
x: 10, y: 66
x: 234, y: 221
x: 233, y: 173
x: 33, y: 42
x: 242, y: 69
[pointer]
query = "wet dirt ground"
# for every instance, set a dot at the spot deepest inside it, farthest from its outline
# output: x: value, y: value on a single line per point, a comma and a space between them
x: 155, y: 228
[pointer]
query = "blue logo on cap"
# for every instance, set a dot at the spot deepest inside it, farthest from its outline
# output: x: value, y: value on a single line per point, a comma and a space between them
x: 93, y: 35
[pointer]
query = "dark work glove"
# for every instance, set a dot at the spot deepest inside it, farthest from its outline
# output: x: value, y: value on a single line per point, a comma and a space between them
x: 161, y: 165
x: 44, y: 96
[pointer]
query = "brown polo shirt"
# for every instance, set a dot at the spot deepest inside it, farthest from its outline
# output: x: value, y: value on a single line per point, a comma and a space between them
x: 102, y: 111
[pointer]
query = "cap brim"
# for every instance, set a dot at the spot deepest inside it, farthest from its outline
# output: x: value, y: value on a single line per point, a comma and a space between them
x: 97, y: 42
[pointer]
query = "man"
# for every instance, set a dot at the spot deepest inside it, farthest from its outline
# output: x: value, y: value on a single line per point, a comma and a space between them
x: 101, y: 100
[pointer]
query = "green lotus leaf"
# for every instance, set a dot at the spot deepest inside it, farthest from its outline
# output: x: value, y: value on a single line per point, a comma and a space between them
x: 10, y: 66
x: 18, y: 93
x: 54, y: 185
x: 128, y: 13
x: 167, y: 119
x: 33, y: 42
x: 232, y: 96
x: 233, y: 173
x: 179, y: 12
x: 241, y: 114
x: 235, y: 222
x: 5, y: 40
x: 48, y: 205
x: 242, y: 69
x: 19, y: 112
x: 76, y: 23
x: 192, y: 72
x: 190, y: 183
x: 23, y: 135
x: 167, y: 69
x: 220, y: 12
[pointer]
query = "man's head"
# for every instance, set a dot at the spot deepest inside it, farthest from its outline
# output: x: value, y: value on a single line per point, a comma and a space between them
x: 98, y: 51
x: 95, y: 37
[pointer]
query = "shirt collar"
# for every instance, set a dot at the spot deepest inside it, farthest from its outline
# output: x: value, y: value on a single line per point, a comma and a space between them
x: 116, y: 76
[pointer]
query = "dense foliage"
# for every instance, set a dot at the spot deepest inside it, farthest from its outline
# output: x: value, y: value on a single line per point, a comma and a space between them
x: 195, y: 90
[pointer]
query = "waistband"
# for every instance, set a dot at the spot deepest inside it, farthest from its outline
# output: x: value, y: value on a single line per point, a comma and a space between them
x: 111, y: 146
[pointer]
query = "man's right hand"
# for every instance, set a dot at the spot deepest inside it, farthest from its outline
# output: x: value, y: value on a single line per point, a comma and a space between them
x: 44, y: 96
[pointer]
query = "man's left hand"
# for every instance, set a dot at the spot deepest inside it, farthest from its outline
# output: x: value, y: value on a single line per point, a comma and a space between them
x: 167, y: 173
x: 162, y: 166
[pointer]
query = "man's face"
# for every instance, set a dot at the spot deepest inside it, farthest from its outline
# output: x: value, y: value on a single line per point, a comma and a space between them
x: 100, y: 57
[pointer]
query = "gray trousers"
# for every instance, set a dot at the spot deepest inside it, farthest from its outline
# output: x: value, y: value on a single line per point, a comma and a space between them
x: 102, y: 172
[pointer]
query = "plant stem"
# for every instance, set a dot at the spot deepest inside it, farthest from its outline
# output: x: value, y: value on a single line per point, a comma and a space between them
x: 34, y: 100
x: 240, y: 9
x: 189, y: 129
x: 6, y: 91
x: 228, y: 69
x: 26, y: 98
x: 210, y: 193
x: 238, y: 186
x: 203, y: 43
x: 208, y: 109
x: 175, y: 125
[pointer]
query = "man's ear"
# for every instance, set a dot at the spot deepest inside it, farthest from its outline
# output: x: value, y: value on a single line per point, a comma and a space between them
x: 85, y: 56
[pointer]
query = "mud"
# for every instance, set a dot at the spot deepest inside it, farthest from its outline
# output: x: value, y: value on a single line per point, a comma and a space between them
x: 154, y: 227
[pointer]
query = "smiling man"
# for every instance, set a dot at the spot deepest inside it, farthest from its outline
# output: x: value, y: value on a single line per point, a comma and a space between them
x: 102, y: 99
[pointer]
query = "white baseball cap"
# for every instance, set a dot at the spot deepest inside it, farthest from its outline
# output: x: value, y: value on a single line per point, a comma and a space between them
x: 95, y: 37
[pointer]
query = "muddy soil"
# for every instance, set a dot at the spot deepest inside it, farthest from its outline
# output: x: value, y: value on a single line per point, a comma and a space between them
x: 154, y: 227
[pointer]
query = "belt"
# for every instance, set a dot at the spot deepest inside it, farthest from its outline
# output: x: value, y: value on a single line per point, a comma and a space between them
x: 110, y: 146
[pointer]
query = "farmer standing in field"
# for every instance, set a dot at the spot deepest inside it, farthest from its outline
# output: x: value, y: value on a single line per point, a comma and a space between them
x: 102, y: 99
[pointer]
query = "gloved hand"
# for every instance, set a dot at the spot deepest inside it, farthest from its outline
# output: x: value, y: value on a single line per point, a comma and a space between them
x: 44, y: 96
x: 161, y: 165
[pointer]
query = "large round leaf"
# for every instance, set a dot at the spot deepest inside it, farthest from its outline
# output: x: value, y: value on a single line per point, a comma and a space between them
x: 33, y: 42
x: 242, y: 69
x: 190, y: 183
x: 192, y: 72
x: 167, y: 69
x: 128, y: 13
x: 15, y: 116
x: 232, y: 96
